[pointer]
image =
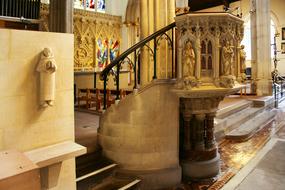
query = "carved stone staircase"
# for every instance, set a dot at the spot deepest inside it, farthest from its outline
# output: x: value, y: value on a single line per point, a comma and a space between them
x: 244, y: 118
x: 144, y: 143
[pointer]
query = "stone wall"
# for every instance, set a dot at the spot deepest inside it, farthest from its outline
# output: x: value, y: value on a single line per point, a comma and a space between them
x: 23, y: 124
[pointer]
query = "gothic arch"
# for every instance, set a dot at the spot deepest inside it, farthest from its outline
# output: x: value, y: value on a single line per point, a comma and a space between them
x: 275, y: 20
x: 132, y: 20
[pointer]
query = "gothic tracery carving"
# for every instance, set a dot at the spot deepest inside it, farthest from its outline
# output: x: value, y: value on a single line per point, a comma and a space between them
x: 219, y: 35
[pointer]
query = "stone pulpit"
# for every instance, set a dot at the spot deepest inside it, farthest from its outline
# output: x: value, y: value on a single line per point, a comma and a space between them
x: 209, y: 68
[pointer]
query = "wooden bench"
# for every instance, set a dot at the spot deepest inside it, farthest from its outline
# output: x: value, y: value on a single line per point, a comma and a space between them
x: 95, y: 96
x: 83, y: 95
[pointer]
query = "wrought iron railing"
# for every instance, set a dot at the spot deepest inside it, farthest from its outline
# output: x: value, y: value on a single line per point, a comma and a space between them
x: 29, y: 9
x: 167, y: 33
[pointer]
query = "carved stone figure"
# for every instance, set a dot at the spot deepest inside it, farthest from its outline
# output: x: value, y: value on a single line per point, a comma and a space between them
x: 47, y: 68
x: 189, y: 60
x: 228, y: 55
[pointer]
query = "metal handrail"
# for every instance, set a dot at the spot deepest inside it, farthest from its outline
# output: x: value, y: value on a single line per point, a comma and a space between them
x: 135, y: 49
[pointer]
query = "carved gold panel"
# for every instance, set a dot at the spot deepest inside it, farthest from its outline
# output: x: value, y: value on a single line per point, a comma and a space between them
x: 90, y: 28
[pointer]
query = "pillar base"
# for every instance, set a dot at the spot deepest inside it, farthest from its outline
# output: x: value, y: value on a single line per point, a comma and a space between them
x: 201, y: 169
x: 264, y: 87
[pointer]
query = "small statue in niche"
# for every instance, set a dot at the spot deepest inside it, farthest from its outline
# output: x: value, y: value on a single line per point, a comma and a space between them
x: 189, y: 60
x: 242, y: 62
x: 228, y: 55
x: 47, y: 68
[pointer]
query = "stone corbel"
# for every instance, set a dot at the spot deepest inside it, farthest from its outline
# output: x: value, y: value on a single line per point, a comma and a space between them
x: 49, y: 159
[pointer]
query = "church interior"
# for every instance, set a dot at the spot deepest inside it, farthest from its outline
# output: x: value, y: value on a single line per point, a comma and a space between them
x: 142, y: 94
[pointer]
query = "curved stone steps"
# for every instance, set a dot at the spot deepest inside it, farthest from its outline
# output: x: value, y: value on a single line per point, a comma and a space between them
x: 229, y: 110
x: 223, y: 126
x: 119, y: 129
x: 112, y: 183
x: 149, y: 159
x: 249, y: 128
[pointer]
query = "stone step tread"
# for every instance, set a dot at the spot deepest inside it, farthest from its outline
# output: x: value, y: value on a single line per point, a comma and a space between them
x: 247, y: 129
x: 96, y: 172
x: 229, y: 110
x: 90, y: 163
x: 239, y: 115
x: 263, y: 101
x: 112, y: 183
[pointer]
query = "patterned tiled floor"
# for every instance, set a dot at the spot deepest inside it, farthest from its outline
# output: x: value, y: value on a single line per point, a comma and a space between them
x: 235, y: 155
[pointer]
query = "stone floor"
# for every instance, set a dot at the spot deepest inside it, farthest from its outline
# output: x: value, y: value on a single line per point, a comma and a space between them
x: 86, y: 125
x: 240, y: 169
x: 269, y: 172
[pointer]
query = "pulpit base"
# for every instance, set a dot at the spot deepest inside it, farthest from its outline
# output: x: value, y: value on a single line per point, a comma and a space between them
x: 201, y: 169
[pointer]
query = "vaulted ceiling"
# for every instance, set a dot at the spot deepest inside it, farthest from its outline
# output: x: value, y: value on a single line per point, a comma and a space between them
x: 196, y: 5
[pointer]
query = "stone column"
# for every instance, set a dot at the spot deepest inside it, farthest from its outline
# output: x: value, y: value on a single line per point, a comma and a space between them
x: 260, y: 38
x: 160, y: 22
x: 238, y: 71
x: 179, y: 57
x: 210, y: 141
x: 198, y: 59
x: 216, y: 53
x: 199, y: 132
x: 61, y: 16
x: 144, y: 33
x: 171, y: 56
x: 200, y: 158
x: 187, y: 133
